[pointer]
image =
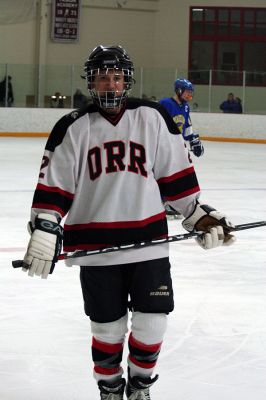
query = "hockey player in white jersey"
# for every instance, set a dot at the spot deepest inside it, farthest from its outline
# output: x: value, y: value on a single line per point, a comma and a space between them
x: 105, y: 168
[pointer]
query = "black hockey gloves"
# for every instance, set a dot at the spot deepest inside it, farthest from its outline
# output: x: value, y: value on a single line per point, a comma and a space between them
x: 44, y: 246
x: 196, y: 146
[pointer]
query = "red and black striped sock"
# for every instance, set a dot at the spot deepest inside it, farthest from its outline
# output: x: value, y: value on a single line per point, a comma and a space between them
x: 143, y: 355
x: 107, y: 357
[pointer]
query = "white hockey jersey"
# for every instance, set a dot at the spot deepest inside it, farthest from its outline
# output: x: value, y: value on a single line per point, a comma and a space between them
x: 107, y: 175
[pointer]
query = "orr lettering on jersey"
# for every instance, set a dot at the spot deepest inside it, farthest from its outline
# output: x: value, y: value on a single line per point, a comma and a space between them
x: 115, y: 155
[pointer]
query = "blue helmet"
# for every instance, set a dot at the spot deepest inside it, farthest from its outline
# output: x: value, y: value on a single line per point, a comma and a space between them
x: 182, y: 84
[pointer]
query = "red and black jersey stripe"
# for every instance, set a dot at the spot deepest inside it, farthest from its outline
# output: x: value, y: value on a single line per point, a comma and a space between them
x: 102, y: 234
x: 179, y: 185
x: 52, y: 198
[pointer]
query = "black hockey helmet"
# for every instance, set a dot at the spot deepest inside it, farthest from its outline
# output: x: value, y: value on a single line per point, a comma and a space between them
x: 103, y: 59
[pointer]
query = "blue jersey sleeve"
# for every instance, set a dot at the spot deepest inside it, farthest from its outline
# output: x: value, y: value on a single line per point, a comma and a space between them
x: 180, y: 115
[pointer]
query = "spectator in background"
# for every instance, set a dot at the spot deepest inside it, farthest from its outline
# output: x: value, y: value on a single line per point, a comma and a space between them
x: 80, y: 100
x: 6, y: 87
x: 57, y: 100
x: 239, y: 102
x: 231, y: 105
x: 145, y: 97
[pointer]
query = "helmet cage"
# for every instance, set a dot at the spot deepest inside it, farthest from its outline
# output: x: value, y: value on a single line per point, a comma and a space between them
x: 101, y: 61
x: 109, y: 99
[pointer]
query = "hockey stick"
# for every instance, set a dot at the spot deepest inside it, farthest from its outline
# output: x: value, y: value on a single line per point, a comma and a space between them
x: 169, y: 239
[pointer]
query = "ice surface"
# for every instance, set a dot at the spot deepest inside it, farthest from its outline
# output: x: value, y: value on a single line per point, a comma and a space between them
x: 215, y: 346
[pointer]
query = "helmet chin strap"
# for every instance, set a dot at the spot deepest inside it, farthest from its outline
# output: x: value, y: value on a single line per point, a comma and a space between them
x: 178, y: 98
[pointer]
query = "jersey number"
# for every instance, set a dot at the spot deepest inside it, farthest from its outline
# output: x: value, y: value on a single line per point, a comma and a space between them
x: 45, y: 162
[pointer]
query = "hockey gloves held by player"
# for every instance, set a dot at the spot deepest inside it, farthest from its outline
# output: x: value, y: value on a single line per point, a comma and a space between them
x: 214, y: 226
x: 44, y: 246
x: 196, y: 147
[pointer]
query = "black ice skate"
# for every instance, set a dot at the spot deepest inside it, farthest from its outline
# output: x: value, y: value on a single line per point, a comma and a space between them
x: 139, y: 388
x: 112, y: 391
x: 171, y: 213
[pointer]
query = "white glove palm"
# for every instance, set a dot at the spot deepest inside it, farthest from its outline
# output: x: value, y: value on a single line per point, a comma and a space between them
x: 44, y: 246
x: 214, y: 226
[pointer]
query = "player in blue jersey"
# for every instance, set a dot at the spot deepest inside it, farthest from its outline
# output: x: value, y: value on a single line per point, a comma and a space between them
x: 178, y: 107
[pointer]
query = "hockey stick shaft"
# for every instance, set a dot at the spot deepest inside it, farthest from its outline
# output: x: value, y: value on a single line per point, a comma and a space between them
x: 250, y: 225
x: 169, y: 239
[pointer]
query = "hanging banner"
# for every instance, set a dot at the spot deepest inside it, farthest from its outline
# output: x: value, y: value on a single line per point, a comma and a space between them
x: 65, y: 20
